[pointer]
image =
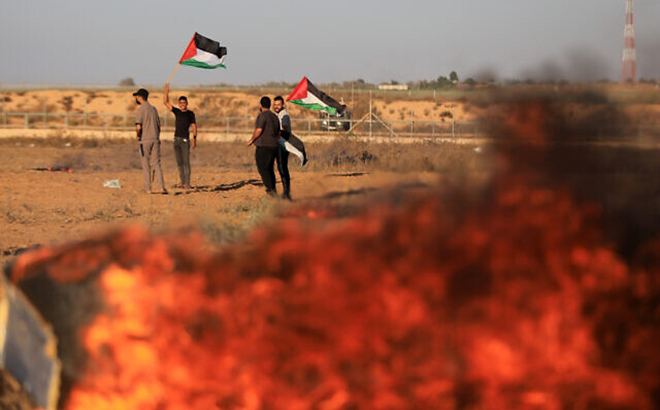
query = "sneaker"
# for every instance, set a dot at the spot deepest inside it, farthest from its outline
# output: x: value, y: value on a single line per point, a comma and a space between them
x: 271, y: 193
x: 286, y: 196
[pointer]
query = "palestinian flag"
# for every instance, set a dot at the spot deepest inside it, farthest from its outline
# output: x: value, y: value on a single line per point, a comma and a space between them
x: 307, y: 95
x: 203, y: 52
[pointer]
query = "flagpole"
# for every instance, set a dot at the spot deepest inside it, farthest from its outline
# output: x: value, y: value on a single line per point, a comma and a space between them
x: 172, y: 75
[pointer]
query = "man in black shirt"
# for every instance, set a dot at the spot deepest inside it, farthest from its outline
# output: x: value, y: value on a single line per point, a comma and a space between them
x: 185, y: 120
x: 266, y: 133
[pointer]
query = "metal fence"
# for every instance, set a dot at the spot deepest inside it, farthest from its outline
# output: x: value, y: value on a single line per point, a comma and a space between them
x: 373, y: 126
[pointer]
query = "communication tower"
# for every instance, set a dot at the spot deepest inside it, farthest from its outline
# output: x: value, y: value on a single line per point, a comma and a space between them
x: 629, y: 67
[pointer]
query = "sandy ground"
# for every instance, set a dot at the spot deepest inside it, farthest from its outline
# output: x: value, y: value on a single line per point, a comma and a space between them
x: 42, y: 207
x: 641, y: 102
x: 39, y: 207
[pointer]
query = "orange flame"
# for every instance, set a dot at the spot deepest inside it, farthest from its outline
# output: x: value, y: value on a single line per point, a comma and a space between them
x: 397, y: 308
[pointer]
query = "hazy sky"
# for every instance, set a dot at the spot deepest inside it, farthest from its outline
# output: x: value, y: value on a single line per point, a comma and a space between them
x: 88, y: 42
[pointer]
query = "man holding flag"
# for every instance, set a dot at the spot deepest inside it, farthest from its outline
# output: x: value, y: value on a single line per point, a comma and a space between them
x: 184, y: 122
x: 201, y: 52
x: 282, y: 153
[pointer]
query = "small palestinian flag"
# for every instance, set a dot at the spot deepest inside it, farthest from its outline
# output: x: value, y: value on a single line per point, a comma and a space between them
x: 203, y: 52
x: 307, y: 95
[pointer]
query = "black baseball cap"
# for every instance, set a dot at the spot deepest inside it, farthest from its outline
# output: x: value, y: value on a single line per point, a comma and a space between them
x: 142, y: 93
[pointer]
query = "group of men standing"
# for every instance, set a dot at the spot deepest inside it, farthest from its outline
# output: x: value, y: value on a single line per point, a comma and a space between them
x: 271, y: 130
x: 147, y: 126
x: 271, y: 138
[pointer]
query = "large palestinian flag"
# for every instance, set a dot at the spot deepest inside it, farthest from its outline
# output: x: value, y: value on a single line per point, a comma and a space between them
x: 307, y: 95
x: 203, y: 52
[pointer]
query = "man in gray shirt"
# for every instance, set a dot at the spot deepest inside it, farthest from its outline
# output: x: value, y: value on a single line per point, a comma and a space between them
x: 147, y: 127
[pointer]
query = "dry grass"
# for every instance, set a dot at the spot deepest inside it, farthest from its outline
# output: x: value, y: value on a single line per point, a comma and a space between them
x: 357, y: 156
x: 347, y: 154
x: 232, y: 223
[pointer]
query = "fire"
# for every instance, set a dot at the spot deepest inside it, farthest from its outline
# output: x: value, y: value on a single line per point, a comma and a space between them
x: 507, y: 307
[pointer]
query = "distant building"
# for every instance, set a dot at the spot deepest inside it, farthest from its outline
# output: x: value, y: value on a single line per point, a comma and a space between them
x: 393, y: 87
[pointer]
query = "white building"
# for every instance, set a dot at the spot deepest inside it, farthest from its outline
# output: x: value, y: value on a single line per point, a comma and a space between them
x: 393, y: 87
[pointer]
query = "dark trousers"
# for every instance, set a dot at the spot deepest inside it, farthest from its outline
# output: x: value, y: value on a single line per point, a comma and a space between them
x: 265, y: 158
x: 283, y: 168
x: 182, y: 155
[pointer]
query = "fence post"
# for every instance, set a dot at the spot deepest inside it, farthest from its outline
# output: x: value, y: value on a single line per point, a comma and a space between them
x: 85, y: 115
x: 433, y: 130
x: 309, y: 126
x: 66, y: 121
x: 45, y: 114
x: 247, y: 119
x: 125, y: 114
x: 352, y: 97
x: 27, y: 121
x: 370, y: 114
x: 412, y: 122
x: 453, y: 122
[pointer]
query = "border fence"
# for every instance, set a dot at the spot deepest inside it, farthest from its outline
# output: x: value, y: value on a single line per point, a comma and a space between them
x: 415, y: 114
x: 373, y: 126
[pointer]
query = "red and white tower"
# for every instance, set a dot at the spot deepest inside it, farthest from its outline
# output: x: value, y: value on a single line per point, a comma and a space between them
x: 629, y: 67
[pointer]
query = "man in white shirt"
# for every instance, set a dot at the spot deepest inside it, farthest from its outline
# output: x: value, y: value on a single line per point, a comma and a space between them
x: 283, y: 154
